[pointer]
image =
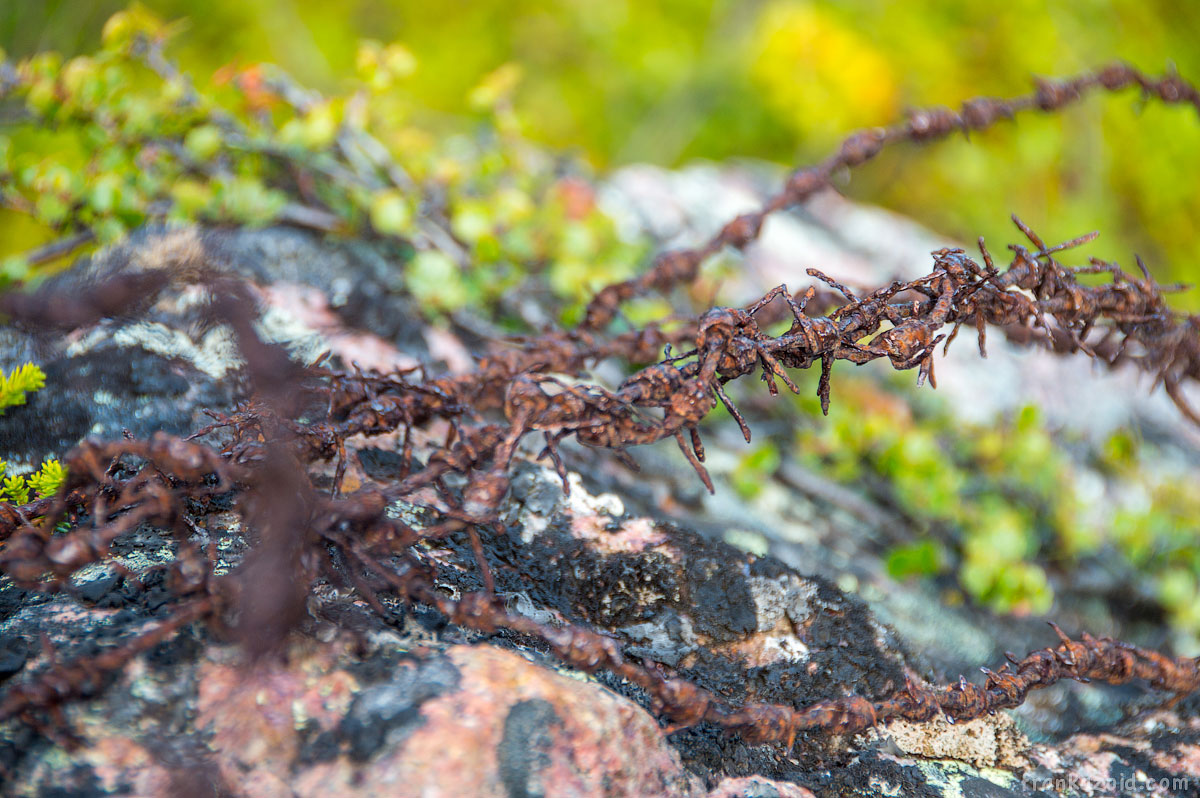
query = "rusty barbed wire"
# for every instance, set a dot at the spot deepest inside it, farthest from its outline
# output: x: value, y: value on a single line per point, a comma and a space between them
x: 305, y: 534
x: 679, y: 266
x: 685, y: 704
x: 669, y: 399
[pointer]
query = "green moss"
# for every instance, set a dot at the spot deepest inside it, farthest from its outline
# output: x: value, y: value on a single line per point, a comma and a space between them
x: 434, y: 279
x: 19, y: 382
x: 46, y: 481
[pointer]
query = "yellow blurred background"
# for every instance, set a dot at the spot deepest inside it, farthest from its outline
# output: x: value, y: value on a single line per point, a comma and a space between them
x: 670, y: 81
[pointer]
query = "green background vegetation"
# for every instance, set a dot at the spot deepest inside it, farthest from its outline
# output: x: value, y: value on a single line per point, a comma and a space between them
x: 668, y: 81
x: 1011, y: 515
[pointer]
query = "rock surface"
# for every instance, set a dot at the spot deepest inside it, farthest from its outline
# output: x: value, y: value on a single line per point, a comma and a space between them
x: 408, y: 705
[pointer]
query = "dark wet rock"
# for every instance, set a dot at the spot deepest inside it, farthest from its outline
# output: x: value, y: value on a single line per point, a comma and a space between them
x: 14, y: 652
x: 156, y: 368
x: 384, y: 714
x: 975, y: 787
x: 94, y: 590
x: 524, y: 751
x: 667, y: 638
x: 724, y: 607
x: 381, y: 464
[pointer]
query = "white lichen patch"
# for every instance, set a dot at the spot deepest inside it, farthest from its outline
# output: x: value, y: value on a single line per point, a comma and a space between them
x: 991, y: 742
x: 775, y: 639
x: 667, y: 638
x: 279, y: 326
x: 521, y: 604
x: 536, y: 497
x: 141, y: 684
x: 580, y: 502
x: 105, y: 398
x: 946, y: 779
x: 214, y: 354
x: 880, y: 787
x: 406, y: 512
x: 769, y: 596
x: 532, y: 525
x: 762, y: 651
x: 798, y: 602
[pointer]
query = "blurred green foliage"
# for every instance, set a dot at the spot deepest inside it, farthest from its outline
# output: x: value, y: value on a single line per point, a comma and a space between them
x: 754, y: 469
x: 994, y: 493
x: 672, y: 80
x: 1154, y: 527
x: 922, y: 558
x: 1003, y: 506
x: 98, y: 144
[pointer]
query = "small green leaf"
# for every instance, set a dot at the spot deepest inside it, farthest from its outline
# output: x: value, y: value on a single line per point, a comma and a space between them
x: 109, y: 230
x: 203, y: 142
x: 923, y: 558
x: 105, y: 193
x: 14, y: 268
x: 390, y: 213
x: 434, y: 279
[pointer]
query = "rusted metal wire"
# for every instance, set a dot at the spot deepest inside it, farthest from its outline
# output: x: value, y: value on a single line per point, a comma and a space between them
x: 685, y: 704
x: 680, y: 266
